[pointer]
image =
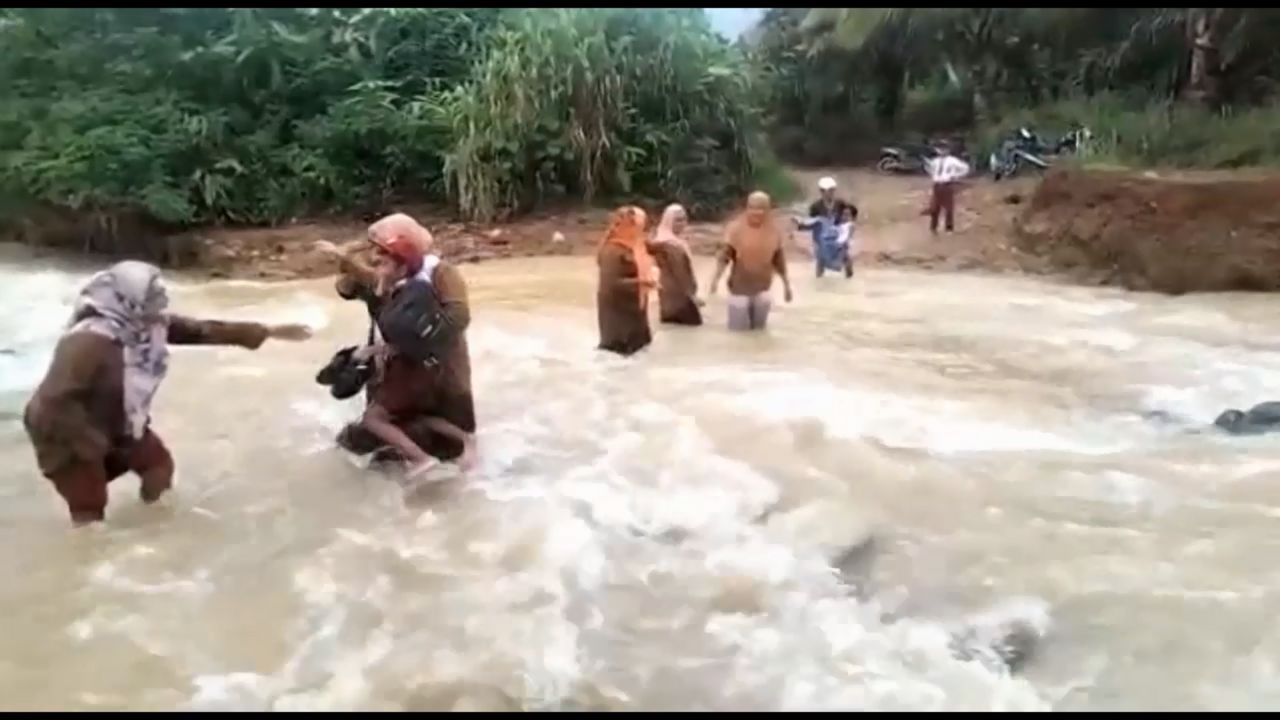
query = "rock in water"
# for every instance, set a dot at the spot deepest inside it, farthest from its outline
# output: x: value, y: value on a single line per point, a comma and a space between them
x: 1006, y: 635
x: 1261, y: 418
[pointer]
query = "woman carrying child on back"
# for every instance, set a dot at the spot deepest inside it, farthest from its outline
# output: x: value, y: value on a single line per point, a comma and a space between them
x: 419, y: 400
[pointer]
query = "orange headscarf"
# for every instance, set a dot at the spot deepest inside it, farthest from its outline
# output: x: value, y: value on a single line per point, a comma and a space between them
x: 626, y: 229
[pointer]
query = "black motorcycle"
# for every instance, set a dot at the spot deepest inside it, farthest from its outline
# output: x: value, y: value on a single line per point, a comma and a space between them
x: 909, y: 158
x: 1026, y: 150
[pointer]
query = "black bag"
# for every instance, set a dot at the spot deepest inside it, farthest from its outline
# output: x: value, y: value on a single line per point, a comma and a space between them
x: 345, y: 375
x: 414, y: 323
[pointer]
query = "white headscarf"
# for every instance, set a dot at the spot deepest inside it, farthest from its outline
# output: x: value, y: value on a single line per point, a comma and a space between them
x: 666, y: 232
x: 126, y: 303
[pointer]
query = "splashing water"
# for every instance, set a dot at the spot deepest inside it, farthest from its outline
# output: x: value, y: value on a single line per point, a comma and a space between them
x: 609, y: 553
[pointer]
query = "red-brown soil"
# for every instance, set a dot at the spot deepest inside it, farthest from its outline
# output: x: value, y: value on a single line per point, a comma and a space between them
x: 1193, y: 232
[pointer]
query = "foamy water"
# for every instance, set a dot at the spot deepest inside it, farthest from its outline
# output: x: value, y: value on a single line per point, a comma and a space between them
x: 658, y: 532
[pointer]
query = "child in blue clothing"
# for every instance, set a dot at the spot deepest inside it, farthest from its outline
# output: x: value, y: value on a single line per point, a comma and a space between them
x: 831, y: 241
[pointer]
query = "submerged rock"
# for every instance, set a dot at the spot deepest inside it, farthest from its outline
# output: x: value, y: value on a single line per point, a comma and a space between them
x: 1261, y: 418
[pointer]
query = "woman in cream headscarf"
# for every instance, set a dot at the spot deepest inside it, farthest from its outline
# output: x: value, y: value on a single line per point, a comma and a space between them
x: 627, y: 277
x: 90, y: 418
x: 753, y: 249
x: 678, y: 295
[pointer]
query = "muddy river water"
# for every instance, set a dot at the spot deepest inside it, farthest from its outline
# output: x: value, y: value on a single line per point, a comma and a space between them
x: 607, y: 554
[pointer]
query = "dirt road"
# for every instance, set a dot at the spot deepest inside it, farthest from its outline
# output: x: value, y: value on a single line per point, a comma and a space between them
x: 891, y: 230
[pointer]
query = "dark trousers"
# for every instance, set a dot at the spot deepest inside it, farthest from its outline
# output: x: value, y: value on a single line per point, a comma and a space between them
x: 943, y: 201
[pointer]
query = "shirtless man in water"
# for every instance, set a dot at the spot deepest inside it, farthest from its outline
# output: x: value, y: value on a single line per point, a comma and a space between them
x: 752, y: 252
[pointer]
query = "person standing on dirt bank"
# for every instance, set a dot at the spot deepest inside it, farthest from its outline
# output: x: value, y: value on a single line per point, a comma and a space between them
x: 945, y: 171
x: 628, y: 275
x: 753, y: 248
x: 678, y: 294
x: 416, y: 397
x: 90, y: 418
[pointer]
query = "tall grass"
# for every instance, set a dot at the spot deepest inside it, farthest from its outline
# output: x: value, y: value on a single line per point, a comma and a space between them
x: 603, y: 104
x: 1156, y: 134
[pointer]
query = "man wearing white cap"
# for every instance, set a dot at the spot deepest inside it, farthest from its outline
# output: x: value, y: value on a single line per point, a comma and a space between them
x: 828, y: 205
x: 829, y: 211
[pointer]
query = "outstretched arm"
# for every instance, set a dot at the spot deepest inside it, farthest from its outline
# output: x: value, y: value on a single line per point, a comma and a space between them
x: 356, y: 279
x: 780, y: 266
x: 251, y: 335
x: 723, y: 258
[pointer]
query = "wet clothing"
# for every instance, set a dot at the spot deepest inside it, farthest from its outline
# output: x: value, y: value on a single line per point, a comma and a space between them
x: 753, y: 255
x: 83, y: 486
x: 410, y: 391
x: 77, y: 419
x: 749, y: 312
x: 831, y: 245
x: 623, y: 321
x: 451, y: 289
x: 679, y: 288
x: 457, y: 409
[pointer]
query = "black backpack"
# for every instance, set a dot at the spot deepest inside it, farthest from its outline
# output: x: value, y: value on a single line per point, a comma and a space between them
x: 414, y: 323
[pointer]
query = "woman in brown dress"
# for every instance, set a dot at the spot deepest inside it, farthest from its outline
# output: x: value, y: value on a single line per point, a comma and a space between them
x: 90, y: 418
x: 678, y: 294
x: 627, y: 276
x: 420, y: 400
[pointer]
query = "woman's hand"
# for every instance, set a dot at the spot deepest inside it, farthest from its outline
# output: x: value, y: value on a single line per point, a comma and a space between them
x: 292, y: 332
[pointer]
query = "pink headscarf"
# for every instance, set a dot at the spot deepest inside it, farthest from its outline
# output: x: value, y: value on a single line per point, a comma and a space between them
x: 401, y: 225
x: 666, y: 227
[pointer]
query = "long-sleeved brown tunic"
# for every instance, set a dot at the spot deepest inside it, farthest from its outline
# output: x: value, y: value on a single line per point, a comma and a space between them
x: 451, y: 289
x: 624, y: 326
x: 77, y: 412
x: 677, y: 295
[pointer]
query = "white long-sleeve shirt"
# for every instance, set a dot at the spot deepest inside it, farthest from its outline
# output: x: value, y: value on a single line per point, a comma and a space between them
x: 947, y: 168
x: 844, y: 233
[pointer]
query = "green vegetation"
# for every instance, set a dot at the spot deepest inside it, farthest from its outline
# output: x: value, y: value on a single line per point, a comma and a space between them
x: 172, y: 117
x: 1170, y: 86
x: 128, y: 121
x: 616, y: 103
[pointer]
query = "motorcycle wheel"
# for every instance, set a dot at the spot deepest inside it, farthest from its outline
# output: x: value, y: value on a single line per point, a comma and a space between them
x: 887, y: 165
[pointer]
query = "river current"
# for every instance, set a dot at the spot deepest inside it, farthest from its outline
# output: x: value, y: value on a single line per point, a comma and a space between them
x: 1017, y: 449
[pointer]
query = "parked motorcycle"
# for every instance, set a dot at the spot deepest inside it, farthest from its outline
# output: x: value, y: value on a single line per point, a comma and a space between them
x: 909, y: 158
x: 904, y: 158
x: 1015, y: 154
x: 1025, y: 150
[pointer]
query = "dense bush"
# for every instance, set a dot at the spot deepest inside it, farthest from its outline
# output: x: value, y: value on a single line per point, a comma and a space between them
x: 929, y: 71
x: 198, y: 115
x: 243, y: 115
